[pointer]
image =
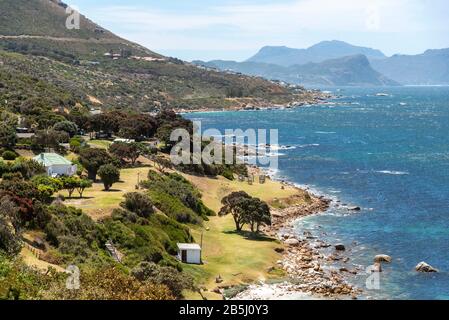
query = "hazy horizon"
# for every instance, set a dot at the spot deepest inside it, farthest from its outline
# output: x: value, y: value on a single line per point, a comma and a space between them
x: 237, y: 29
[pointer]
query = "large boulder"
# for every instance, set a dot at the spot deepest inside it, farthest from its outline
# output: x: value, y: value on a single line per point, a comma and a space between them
x: 425, y: 267
x: 292, y: 242
x: 340, y: 247
x: 382, y: 258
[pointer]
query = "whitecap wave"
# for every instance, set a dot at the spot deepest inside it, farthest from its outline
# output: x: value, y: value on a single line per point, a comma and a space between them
x: 309, y: 145
x: 395, y: 173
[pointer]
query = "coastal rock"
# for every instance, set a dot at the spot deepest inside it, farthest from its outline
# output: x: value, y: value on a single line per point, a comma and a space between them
x: 425, y: 267
x: 340, y: 247
x: 382, y: 258
x: 292, y: 242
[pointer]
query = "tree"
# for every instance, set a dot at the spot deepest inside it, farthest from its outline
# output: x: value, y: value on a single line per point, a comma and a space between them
x: 233, y: 204
x: 246, y: 210
x: 49, y: 139
x: 256, y: 213
x: 83, y: 184
x: 67, y: 126
x: 138, y: 203
x: 8, y: 136
x: 138, y: 127
x: 130, y: 151
x: 109, y: 175
x: 92, y: 159
x: 70, y: 184
x: 162, y: 163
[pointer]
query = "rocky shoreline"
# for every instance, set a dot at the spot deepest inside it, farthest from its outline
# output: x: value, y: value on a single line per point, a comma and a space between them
x: 311, y: 272
x: 317, y: 97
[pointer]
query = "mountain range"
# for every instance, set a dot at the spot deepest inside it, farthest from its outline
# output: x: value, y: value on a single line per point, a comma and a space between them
x: 43, y: 64
x: 336, y: 63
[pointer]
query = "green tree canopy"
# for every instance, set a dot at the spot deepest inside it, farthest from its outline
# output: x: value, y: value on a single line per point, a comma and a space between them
x: 109, y: 175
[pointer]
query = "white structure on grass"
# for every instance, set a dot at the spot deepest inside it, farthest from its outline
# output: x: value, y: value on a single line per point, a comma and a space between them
x: 189, y: 253
x: 56, y: 165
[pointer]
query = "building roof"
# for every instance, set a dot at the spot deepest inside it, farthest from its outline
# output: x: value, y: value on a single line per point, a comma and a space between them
x: 51, y: 159
x: 188, y: 246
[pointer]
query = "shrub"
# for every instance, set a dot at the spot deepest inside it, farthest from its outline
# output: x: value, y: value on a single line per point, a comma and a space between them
x: 176, y: 281
x: 9, y: 155
x: 111, y: 283
x: 138, y: 203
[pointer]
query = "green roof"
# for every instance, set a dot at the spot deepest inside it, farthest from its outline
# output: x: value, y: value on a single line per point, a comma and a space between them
x: 50, y: 159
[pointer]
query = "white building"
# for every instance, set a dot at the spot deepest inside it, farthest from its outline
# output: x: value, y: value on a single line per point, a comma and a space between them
x: 56, y: 165
x: 189, y: 253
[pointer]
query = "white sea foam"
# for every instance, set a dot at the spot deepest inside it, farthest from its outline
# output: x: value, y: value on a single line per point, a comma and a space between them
x: 325, y: 132
x: 309, y: 145
x: 396, y: 173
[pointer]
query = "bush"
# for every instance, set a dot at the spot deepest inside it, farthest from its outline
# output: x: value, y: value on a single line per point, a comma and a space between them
x: 176, y: 281
x: 111, y: 283
x: 9, y: 155
x: 138, y: 203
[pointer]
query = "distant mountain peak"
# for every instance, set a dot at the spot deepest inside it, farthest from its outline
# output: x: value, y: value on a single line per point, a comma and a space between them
x: 322, y: 51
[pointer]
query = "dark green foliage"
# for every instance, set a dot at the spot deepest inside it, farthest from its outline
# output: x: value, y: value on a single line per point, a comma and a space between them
x: 27, y: 168
x: 8, y: 136
x: 49, y: 139
x: 176, y: 197
x: 69, y: 127
x: 128, y: 151
x: 74, y: 234
x: 153, y: 239
x: 92, y: 159
x: 109, y: 175
x: 246, y: 210
x: 9, y: 155
x: 138, y: 203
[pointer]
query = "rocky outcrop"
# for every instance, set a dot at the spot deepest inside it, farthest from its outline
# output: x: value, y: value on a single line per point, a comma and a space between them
x: 292, y: 242
x: 382, y: 258
x: 425, y: 267
x: 340, y: 247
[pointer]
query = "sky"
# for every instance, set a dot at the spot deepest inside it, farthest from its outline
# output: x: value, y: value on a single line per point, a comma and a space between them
x: 237, y: 29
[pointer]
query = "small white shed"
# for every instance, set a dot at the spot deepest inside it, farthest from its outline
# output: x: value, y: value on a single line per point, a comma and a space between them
x: 56, y: 165
x: 189, y: 253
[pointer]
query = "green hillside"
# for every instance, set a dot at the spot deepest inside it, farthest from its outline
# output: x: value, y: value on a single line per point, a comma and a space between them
x: 39, y: 55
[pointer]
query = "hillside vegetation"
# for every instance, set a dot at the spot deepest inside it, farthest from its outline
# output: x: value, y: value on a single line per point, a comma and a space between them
x: 96, y: 68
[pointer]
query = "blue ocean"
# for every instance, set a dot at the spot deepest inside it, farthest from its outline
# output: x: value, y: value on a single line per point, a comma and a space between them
x: 387, y: 153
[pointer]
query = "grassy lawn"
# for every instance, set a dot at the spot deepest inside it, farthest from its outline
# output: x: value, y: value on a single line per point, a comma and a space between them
x: 101, y: 144
x: 98, y: 203
x: 235, y: 257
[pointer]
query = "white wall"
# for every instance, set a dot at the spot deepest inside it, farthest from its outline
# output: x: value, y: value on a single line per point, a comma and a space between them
x: 193, y: 256
x: 63, y: 170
